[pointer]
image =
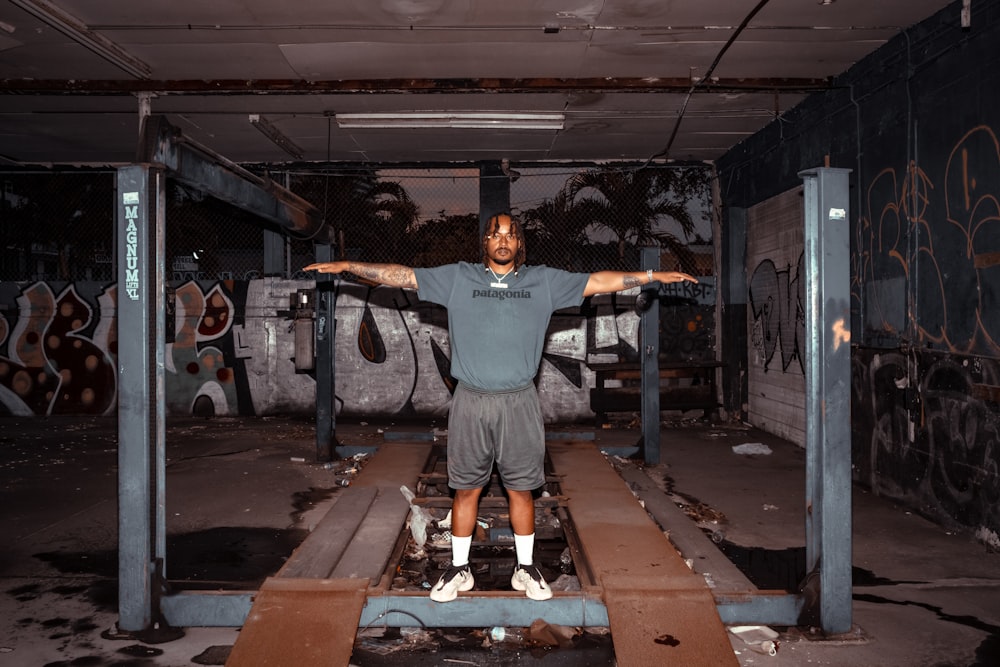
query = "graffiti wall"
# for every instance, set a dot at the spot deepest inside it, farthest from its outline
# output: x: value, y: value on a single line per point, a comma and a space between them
x: 230, y: 349
x: 776, y: 325
x: 917, y: 123
x: 929, y: 433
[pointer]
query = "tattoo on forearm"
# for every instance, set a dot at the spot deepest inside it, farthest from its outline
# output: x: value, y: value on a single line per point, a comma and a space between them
x: 630, y: 281
x: 386, y: 274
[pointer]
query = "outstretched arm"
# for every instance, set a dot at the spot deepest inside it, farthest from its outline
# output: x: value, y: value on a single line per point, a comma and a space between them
x: 603, y: 282
x: 393, y: 275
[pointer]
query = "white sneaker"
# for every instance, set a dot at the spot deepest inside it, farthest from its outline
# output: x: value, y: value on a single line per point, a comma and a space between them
x: 453, y: 580
x: 527, y: 578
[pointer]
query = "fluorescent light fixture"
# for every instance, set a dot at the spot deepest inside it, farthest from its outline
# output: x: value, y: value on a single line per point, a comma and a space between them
x: 78, y: 31
x: 487, y: 120
x: 275, y: 135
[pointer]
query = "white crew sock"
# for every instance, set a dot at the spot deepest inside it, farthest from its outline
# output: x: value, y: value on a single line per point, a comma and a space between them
x: 460, y: 547
x: 524, y: 545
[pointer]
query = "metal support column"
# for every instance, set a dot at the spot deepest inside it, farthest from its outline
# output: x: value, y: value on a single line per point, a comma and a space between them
x: 276, y: 249
x: 733, y: 325
x: 649, y: 339
x: 141, y: 405
x: 494, y: 192
x: 828, y: 392
x: 326, y: 415
x: 274, y: 253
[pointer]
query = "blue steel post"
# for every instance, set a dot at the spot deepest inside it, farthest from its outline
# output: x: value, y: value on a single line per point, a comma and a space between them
x: 140, y: 393
x: 274, y: 253
x: 159, y: 343
x: 649, y: 341
x: 494, y: 192
x: 828, y: 392
x: 326, y: 418
x: 733, y: 328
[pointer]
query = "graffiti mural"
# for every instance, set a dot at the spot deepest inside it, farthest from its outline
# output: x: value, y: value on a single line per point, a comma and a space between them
x: 925, y: 290
x: 230, y: 349
x: 59, y: 355
x: 945, y: 461
x: 926, y: 282
x: 937, y: 241
x: 197, y: 369
x: 776, y: 298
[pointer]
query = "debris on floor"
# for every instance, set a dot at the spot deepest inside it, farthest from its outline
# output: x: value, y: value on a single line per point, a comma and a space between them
x: 758, y: 638
x: 556, y: 644
x: 751, y: 449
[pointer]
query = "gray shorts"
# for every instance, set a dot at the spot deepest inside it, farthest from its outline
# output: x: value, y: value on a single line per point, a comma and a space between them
x: 501, y: 426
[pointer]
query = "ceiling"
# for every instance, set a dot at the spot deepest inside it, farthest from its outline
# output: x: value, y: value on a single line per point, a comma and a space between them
x: 635, y: 79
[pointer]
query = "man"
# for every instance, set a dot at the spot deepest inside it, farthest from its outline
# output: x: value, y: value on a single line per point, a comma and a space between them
x: 498, y: 314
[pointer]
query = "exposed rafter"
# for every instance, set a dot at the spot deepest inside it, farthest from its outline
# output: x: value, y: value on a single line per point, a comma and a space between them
x: 396, y: 86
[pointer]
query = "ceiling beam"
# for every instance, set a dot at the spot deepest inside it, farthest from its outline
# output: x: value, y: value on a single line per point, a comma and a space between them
x: 205, y: 170
x: 678, y: 85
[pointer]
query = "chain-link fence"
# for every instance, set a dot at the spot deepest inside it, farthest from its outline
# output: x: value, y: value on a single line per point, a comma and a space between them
x: 59, y: 225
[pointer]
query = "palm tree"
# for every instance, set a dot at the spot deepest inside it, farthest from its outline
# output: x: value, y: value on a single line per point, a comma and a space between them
x: 555, y: 230
x: 630, y: 203
x: 396, y: 212
x: 447, y: 239
x: 371, y: 216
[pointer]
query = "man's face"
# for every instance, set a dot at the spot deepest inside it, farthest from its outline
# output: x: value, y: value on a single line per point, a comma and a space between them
x: 501, y: 243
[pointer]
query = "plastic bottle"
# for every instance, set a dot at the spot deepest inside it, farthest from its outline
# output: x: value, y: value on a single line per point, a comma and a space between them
x: 508, y: 635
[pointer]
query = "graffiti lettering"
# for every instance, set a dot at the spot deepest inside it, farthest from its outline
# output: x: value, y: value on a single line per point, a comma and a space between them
x: 230, y: 353
x: 703, y: 292
x: 778, y: 317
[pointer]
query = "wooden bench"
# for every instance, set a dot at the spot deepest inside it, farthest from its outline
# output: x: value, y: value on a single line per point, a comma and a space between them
x: 684, y: 385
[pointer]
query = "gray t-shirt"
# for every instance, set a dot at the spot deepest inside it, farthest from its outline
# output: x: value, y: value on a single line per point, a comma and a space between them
x: 497, y: 334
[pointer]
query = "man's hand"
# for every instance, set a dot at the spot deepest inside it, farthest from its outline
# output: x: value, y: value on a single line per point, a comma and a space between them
x: 673, y: 277
x: 603, y: 282
x: 328, y: 267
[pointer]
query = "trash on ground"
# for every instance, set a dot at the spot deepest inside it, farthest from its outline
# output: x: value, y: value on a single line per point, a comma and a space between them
x: 565, y: 582
x: 751, y: 448
x: 551, y: 634
x: 441, y: 540
x: 420, y: 518
x: 759, y: 638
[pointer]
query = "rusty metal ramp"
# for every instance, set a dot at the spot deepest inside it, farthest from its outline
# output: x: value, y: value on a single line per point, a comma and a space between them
x: 308, y: 614
x: 301, y: 622
x: 342, y: 576
x: 660, y: 612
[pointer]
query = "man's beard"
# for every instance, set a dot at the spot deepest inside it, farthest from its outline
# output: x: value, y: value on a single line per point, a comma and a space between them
x: 504, y: 261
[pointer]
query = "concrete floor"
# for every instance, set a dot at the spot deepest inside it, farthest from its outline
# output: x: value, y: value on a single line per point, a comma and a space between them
x: 241, y: 493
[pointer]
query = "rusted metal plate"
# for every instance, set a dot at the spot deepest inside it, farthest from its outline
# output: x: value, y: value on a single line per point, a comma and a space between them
x: 660, y: 611
x: 322, y: 549
x: 355, y: 538
x: 688, y: 538
x: 394, y: 465
x: 654, y: 624
x: 301, y: 622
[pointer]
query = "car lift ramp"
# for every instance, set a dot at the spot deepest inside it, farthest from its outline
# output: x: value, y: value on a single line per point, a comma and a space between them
x: 632, y: 578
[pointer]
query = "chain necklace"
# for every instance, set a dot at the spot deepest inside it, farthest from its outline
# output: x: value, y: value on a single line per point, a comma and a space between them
x: 498, y: 280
